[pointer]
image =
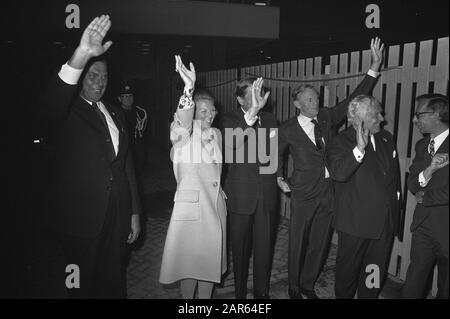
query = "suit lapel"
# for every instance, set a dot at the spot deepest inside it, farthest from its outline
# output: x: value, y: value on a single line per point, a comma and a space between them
x: 88, y: 113
x: 382, y: 151
x: 443, y: 148
x: 323, y: 124
x: 302, y: 133
x: 120, y: 127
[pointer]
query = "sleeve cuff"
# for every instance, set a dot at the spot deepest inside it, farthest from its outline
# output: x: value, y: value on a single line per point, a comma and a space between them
x: 186, y: 101
x: 358, y: 155
x: 422, y: 181
x: 250, y: 121
x: 373, y: 73
x: 70, y: 75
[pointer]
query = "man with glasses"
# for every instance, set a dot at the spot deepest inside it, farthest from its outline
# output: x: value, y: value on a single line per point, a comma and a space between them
x: 428, y: 181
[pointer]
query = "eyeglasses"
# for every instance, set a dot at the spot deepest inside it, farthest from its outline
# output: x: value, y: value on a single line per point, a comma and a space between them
x: 418, y: 114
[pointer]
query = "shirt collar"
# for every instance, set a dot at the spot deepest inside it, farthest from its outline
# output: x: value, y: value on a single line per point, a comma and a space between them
x: 438, y: 140
x: 90, y: 102
x: 304, y: 120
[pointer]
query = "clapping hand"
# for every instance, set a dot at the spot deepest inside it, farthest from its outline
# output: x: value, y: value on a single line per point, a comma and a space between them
x: 188, y: 75
x: 362, y: 137
x: 439, y: 160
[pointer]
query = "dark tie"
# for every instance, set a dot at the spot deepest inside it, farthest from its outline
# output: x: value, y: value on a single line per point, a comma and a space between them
x: 431, y: 148
x: 317, y: 135
x: 100, y: 113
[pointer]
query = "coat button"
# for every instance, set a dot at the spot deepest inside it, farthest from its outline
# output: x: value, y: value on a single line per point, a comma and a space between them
x: 215, y: 184
x: 108, y: 140
x: 108, y: 188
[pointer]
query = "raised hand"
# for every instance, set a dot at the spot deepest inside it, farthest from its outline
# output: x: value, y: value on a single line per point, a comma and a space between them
x: 187, y: 75
x: 362, y: 137
x: 91, y: 41
x: 376, y: 50
x: 258, y: 101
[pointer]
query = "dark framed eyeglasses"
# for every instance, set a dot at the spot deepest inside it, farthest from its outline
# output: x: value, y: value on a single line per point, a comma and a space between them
x: 418, y: 114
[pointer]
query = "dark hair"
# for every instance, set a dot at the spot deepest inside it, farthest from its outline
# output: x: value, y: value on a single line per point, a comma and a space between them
x: 436, y: 103
x: 243, y: 84
x: 299, y: 89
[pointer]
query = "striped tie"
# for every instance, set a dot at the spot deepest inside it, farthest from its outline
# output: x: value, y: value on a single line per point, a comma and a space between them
x: 431, y: 148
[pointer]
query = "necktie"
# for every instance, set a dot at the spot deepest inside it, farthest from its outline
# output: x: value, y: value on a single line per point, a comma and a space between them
x: 317, y: 134
x: 431, y: 148
x: 100, y: 113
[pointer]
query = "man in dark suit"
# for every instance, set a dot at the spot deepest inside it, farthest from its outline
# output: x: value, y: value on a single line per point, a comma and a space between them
x: 250, y: 185
x: 362, y: 161
x: 92, y: 199
x: 306, y: 138
x: 428, y: 181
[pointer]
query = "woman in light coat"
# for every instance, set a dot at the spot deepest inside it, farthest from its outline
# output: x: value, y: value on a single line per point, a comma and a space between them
x: 195, y: 247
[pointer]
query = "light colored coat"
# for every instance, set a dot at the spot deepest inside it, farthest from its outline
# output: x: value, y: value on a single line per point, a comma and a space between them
x: 195, y: 245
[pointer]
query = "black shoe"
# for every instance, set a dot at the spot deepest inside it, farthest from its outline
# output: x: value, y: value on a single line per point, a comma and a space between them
x: 256, y: 296
x: 309, y: 294
x: 294, y: 294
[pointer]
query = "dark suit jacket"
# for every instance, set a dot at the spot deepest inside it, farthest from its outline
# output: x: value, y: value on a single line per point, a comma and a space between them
x: 86, y: 171
x: 243, y: 182
x: 308, y: 176
x: 365, y: 193
x: 435, y: 199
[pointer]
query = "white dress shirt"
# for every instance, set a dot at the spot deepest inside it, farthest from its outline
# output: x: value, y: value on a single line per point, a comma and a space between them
x: 438, y: 140
x: 71, y: 76
x: 308, y: 128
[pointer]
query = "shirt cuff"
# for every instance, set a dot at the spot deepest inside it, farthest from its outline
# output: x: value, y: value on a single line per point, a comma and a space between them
x: 358, y: 155
x: 250, y: 121
x: 422, y: 181
x: 373, y: 73
x: 69, y: 75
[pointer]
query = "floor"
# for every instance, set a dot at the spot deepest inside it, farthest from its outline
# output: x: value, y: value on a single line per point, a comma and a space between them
x: 145, y: 258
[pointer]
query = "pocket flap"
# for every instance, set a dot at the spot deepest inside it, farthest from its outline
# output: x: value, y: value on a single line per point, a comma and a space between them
x: 190, y: 196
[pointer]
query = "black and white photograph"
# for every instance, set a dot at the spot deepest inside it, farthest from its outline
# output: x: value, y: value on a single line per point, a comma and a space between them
x: 225, y: 150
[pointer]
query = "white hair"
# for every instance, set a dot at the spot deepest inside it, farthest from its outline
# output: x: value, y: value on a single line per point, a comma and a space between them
x: 359, y: 107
